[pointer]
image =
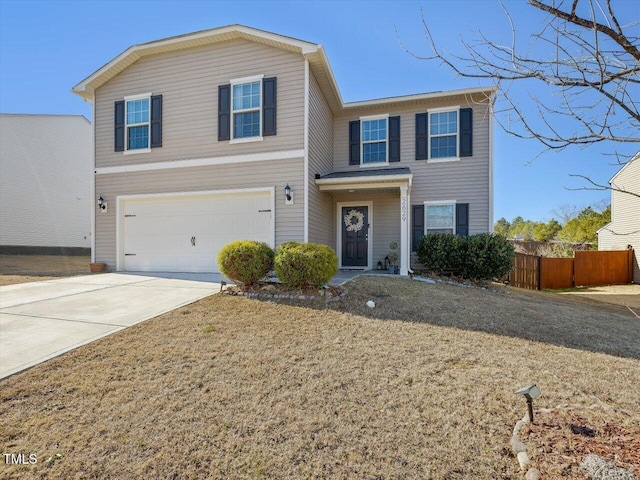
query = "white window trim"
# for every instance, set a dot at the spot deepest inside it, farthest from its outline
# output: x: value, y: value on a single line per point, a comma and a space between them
x: 240, y: 81
x: 440, y: 202
x: 131, y: 98
x: 374, y: 164
x: 455, y: 108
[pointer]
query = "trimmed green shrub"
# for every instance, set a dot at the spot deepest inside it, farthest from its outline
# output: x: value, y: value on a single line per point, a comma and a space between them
x: 305, y: 264
x: 479, y: 257
x: 487, y: 256
x: 441, y: 252
x: 246, y: 261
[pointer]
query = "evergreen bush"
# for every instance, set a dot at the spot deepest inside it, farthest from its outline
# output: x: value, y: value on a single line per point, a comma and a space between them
x: 479, y: 257
x: 305, y: 264
x: 245, y: 261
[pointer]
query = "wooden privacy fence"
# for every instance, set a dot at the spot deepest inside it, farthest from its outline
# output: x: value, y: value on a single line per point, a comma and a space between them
x: 585, y: 268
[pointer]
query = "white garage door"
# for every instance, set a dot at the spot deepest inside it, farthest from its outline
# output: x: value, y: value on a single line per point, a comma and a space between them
x: 185, y: 233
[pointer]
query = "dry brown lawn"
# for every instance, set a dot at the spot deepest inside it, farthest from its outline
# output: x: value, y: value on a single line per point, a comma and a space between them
x: 230, y: 387
x: 34, y: 268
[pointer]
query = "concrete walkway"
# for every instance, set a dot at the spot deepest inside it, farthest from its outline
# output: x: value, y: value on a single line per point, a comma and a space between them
x: 42, y: 320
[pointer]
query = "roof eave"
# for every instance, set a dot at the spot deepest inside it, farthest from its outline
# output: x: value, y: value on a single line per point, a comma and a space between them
x: 135, y: 52
x: 365, y: 179
x: 488, y: 92
x: 635, y: 157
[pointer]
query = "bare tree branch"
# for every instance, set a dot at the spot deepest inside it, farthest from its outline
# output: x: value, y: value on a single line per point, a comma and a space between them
x: 599, y: 187
x: 583, y: 53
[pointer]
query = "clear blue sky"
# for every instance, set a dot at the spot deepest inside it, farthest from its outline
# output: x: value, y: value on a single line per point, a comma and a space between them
x: 46, y: 47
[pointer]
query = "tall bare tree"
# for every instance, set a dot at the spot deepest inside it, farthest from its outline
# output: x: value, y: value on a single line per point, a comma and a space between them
x: 588, y: 57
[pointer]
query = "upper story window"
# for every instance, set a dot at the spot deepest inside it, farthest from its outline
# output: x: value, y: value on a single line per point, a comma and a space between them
x: 443, y: 134
x: 374, y: 140
x: 246, y: 108
x: 137, y: 123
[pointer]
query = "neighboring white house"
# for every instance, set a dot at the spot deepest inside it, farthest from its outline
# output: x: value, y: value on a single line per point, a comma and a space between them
x: 624, y: 229
x: 45, y: 183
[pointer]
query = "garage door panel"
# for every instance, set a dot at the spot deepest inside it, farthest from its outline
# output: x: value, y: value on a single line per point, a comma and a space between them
x: 161, y: 230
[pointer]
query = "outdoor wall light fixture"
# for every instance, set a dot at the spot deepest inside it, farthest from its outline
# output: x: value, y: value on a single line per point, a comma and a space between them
x: 530, y: 392
x: 102, y: 205
x: 288, y: 195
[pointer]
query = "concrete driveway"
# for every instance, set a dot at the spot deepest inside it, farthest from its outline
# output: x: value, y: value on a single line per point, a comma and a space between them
x: 41, y: 320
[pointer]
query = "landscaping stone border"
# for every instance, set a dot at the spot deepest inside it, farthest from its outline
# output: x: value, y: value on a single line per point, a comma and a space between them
x: 287, y: 296
x: 520, y: 449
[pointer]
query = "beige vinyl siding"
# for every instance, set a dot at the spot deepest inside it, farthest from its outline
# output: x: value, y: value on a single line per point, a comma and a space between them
x: 386, y: 219
x: 45, y: 180
x: 321, y: 225
x: 624, y: 228
x: 465, y: 181
x: 288, y: 224
x: 188, y: 81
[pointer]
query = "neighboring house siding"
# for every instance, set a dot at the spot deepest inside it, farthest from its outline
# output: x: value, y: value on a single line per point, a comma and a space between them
x: 321, y: 225
x: 624, y: 228
x: 45, y: 175
x: 289, y: 223
x: 188, y: 80
x: 465, y: 181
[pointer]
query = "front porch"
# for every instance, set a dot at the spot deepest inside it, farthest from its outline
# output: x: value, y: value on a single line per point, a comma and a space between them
x: 370, y: 217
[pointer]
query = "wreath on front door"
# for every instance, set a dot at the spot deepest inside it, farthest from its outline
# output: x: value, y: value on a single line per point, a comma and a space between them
x: 354, y: 221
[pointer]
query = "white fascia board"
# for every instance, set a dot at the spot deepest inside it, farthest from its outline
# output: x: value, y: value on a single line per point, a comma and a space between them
x: 489, y: 91
x: 365, y: 179
x: 202, y: 162
x: 329, y: 70
x: 362, y: 186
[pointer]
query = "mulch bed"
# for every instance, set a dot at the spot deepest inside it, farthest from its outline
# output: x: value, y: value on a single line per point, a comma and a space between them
x: 561, y: 438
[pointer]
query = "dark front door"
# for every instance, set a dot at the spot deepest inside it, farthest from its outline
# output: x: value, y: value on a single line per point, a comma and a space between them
x: 355, y: 236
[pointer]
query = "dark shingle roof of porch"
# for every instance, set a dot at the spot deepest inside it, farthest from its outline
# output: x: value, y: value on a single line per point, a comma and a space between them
x: 368, y: 173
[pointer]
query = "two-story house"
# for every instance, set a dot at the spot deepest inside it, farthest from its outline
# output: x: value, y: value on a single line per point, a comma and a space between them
x: 237, y: 133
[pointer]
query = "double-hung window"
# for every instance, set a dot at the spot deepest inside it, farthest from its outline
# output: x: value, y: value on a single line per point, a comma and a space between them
x: 374, y: 139
x: 440, y: 218
x: 137, y: 122
x: 246, y: 108
x: 443, y: 134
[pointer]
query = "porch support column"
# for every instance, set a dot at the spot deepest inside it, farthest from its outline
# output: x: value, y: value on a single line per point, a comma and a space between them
x: 404, y: 230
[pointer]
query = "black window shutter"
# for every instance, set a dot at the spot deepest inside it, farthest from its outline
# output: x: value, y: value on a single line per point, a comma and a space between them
x: 394, y: 139
x: 354, y: 142
x: 417, y: 226
x: 269, y: 94
x: 224, y: 112
x: 466, y: 132
x: 462, y: 219
x: 119, y: 126
x: 156, y: 121
x: 422, y: 136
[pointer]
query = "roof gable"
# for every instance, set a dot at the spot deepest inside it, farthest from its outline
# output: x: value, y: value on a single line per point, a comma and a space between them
x: 205, y: 37
x: 313, y: 53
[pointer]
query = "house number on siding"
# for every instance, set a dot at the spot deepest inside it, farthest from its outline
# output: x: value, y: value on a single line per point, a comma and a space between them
x: 404, y: 209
